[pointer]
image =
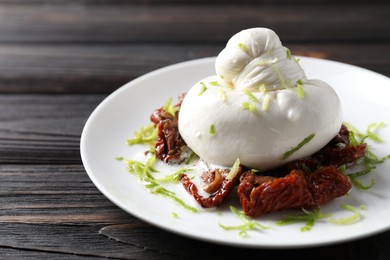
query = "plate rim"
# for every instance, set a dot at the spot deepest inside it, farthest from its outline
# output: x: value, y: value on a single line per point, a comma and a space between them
x: 190, y: 63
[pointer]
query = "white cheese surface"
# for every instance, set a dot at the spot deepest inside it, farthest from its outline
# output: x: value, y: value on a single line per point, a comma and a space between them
x: 255, y: 107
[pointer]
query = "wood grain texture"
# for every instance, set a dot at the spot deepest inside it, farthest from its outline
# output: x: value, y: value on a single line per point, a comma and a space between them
x: 103, y: 68
x: 60, y: 58
x: 195, y: 23
x: 43, y: 129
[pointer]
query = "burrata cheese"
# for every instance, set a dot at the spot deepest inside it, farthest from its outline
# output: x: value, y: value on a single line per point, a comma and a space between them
x: 258, y: 107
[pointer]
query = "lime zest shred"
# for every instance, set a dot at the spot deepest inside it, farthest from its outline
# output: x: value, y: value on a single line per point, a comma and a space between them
x: 243, y: 47
x: 144, y: 174
x: 203, y: 89
x: 266, y: 101
x: 288, y: 53
x: 297, y: 60
x: 174, y: 177
x: 190, y: 157
x: 234, y: 170
x: 370, y: 159
x: 247, y: 224
x: 299, y: 146
x: 250, y: 95
x: 372, y: 128
x: 356, y: 182
x: 310, y: 217
x: 263, y: 88
x: 281, y: 78
x: 174, y: 214
x: 370, y: 131
x: 222, y: 94
x: 214, y: 83
x: 249, y: 106
x: 146, y: 135
x: 119, y: 158
x: 300, y: 92
x: 212, y: 129
x: 169, y: 108
x: 347, y: 220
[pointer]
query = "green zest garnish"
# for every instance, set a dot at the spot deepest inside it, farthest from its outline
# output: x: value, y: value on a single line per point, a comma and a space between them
x: 282, y: 80
x: 214, y: 83
x: 250, y: 95
x: 309, y: 217
x: 301, y: 93
x: 265, y: 106
x: 203, y: 89
x: 299, y: 146
x: 243, y: 47
x: 371, y: 129
x: 357, y: 183
x: 347, y: 220
x: 119, y: 158
x: 247, y: 224
x: 190, y: 157
x: 262, y: 88
x: 370, y: 159
x: 212, y: 129
x: 168, y: 107
x: 146, y: 135
x: 174, y: 177
x: 174, y: 214
x: 222, y: 94
x: 234, y: 170
x: 249, y: 106
x: 288, y: 52
x: 144, y: 172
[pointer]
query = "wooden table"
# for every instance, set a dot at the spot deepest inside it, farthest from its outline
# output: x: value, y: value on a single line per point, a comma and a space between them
x: 60, y: 58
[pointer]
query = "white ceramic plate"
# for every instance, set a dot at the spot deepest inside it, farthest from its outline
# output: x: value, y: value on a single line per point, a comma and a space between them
x: 365, y: 96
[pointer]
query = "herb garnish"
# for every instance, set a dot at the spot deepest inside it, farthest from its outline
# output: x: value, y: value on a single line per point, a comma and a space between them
x: 247, y: 224
x: 308, y: 216
x: 169, y: 108
x: 288, y: 52
x: 301, y: 93
x: 266, y: 101
x: 144, y: 174
x: 212, y: 129
x: 243, y: 47
x: 249, y: 106
x: 347, y: 220
x: 146, y: 135
x: 370, y: 159
x: 299, y: 146
x: 250, y: 95
x: 203, y: 89
x: 222, y: 94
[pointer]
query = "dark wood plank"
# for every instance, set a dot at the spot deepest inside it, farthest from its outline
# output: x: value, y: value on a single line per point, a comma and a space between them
x: 103, y: 68
x: 43, y: 128
x: 47, y: 194
x: 192, y: 23
x: 183, y: 1
x: 54, y: 210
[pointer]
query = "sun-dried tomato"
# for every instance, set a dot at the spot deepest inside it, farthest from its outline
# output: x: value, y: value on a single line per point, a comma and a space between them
x: 169, y: 144
x: 220, y: 193
x: 259, y: 195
